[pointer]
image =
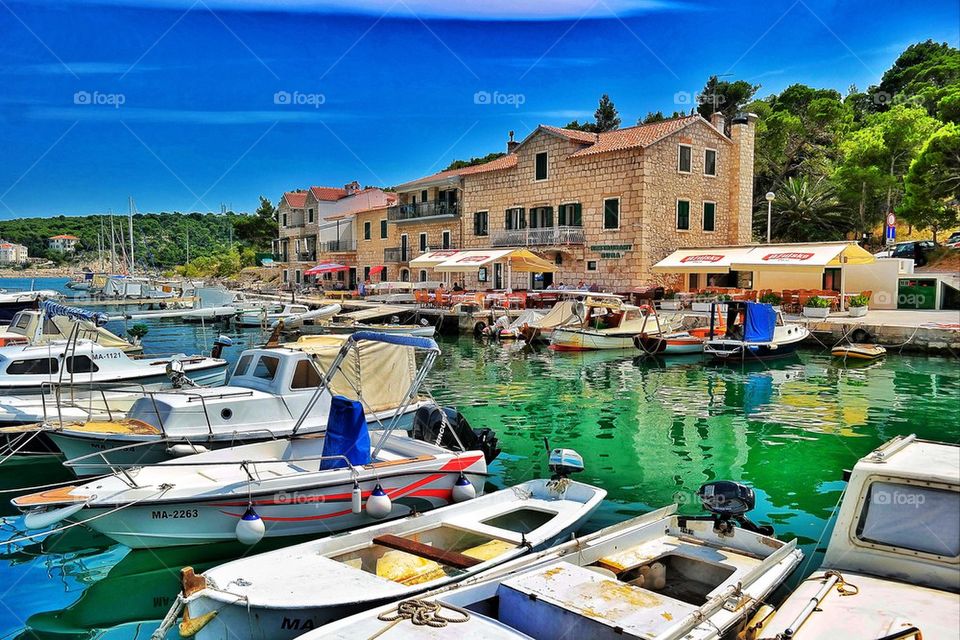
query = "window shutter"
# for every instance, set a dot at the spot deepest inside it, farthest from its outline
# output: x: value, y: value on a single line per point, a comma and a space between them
x: 508, y: 224
x: 549, y: 217
x: 523, y: 219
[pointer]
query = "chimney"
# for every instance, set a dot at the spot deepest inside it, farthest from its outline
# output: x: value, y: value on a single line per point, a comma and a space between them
x: 717, y: 120
x: 352, y: 188
x: 512, y: 144
x: 742, y: 133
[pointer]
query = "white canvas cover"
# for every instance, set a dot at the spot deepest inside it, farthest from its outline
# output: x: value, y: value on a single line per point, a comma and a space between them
x: 465, y: 261
x: 815, y: 255
x: 706, y: 260
x: 381, y: 372
x: 562, y: 313
x: 433, y: 258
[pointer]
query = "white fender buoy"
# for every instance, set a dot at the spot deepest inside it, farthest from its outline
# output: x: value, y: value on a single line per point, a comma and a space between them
x: 179, y: 450
x: 357, y: 505
x: 463, y: 490
x: 378, y: 504
x: 44, y: 519
x: 250, y: 529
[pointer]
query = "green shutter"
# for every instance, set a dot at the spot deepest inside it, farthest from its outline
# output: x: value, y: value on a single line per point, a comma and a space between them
x: 709, y: 216
x: 549, y: 217
x: 562, y: 215
x: 523, y: 219
x: 683, y: 215
x: 508, y: 223
x: 577, y: 217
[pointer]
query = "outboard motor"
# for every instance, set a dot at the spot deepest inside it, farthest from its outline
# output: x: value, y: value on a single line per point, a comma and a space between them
x: 563, y: 462
x: 429, y: 425
x: 178, y: 379
x: 219, y: 344
x: 729, y: 502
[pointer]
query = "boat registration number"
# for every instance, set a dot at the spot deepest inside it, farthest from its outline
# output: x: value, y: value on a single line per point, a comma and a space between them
x: 104, y: 356
x: 174, y: 514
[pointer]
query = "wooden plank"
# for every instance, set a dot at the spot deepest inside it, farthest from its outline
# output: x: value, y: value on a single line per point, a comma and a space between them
x: 451, y: 558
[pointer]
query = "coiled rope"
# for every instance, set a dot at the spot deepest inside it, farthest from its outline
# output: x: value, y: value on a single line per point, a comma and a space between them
x: 421, y: 613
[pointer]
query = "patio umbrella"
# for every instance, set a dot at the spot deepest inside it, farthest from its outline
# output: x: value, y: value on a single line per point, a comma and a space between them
x: 326, y: 267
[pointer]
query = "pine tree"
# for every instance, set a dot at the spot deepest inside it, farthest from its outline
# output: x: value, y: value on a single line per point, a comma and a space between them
x: 606, y: 116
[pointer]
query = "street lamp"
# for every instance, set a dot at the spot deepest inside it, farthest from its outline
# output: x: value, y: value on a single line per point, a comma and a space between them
x: 770, y: 196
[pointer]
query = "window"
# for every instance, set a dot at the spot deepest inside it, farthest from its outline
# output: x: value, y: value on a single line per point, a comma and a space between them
x: 296, y: 275
x: 266, y: 368
x: 709, y: 216
x: 541, y: 217
x: 482, y: 274
x: 404, y: 275
x: 284, y: 219
x: 611, y: 213
x: 710, y: 162
x: 904, y: 515
x: 541, y: 166
x: 516, y: 218
x: 81, y: 364
x: 383, y: 229
x: 423, y: 196
x: 366, y: 273
x: 366, y: 230
x: 286, y: 276
x: 305, y: 376
x: 445, y: 240
x: 683, y: 215
x: 36, y: 367
x: 570, y: 215
x: 423, y: 242
x: 480, y: 223
x: 423, y: 275
x: 243, y: 364
x: 21, y: 321
x: 383, y: 275
x: 684, y: 161
x: 591, y: 265
x: 309, y: 215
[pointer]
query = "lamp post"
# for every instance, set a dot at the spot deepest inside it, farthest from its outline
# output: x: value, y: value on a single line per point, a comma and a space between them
x: 770, y: 196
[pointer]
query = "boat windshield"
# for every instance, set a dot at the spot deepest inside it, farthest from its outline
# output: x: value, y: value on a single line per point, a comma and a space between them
x: 905, y: 516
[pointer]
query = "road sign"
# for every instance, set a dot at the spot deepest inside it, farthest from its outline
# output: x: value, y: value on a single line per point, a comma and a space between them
x: 891, y: 228
x: 891, y: 220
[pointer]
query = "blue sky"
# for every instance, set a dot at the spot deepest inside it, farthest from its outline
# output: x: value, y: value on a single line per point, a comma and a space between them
x: 187, y: 104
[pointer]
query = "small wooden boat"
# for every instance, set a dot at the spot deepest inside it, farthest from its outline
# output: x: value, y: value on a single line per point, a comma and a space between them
x: 661, y: 575
x: 858, y: 351
x: 673, y: 344
x: 754, y: 331
x: 607, y: 324
x: 287, y: 592
x: 890, y: 569
x: 269, y: 314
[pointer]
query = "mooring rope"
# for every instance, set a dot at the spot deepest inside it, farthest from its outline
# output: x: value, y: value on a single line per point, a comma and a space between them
x: 421, y: 613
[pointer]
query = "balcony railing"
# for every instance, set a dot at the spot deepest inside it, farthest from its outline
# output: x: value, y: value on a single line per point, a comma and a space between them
x: 404, y: 212
x: 306, y: 256
x: 338, y: 246
x: 397, y: 254
x: 546, y: 237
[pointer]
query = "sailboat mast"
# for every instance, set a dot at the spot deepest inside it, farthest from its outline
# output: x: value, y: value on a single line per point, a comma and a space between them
x: 100, y: 247
x: 188, y: 245
x: 113, y: 247
x: 131, y: 236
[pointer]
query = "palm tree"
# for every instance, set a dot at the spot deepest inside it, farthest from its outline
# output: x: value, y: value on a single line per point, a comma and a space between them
x: 806, y: 210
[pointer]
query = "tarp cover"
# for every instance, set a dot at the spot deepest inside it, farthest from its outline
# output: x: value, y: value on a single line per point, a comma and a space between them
x: 759, y: 322
x: 382, y: 372
x: 346, y: 435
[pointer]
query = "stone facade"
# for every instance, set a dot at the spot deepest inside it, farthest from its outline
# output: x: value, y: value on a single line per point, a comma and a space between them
x: 12, y: 253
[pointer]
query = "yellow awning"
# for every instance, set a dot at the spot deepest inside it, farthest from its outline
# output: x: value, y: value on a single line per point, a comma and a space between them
x: 528, y: 262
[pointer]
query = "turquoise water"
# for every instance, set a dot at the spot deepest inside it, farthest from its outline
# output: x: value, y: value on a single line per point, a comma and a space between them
x: 650, y: 432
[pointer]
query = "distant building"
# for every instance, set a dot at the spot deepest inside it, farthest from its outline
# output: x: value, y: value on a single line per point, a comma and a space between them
x: 64, y: 243
x: 11, y: 253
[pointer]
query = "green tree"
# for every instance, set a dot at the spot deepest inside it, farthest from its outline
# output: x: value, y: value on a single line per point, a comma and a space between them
x: 606, y: 117
x: 266, y: 209
x: 932, y: 185
x: 652, y: 117
x: 728, y: 98
x: 805, y: 210
x: 921, y: 76
x: 461, y: 164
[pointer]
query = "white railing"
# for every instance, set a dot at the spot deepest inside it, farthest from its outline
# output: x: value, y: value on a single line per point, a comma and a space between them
x: 548, y: 236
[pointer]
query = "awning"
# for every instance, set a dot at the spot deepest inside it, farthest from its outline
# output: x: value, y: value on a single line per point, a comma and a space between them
x: 433, y: 258
x: 806, y: 255
x: 528, y: 262
x: 464, y: 261
x: 326, y: 267
x: 708, y: 260
x: 377, y: 269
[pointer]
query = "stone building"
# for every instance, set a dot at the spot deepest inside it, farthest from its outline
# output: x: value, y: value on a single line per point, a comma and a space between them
x: 64, y: 243
x: 603, y: 207
x: 12, y: 253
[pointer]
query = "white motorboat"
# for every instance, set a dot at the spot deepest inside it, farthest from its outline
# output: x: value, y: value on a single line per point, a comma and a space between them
x: 754, y: 331
x: 26, y: 369
x: 424, y: 329
x: 273, y: 393
x: 661, y: 575
x: 283, y: 593
x: 54, y: 321
x: 12, y: 303
x: 293, y: 322
x: 268, y: 314
x: 302, y: 485
x: 891, y: 568
x: 607, y: 324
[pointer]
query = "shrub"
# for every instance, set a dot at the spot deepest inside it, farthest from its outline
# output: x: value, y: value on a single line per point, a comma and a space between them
x: 859, y: 301
x: 771, y: 298
x: 669, y: 294
x: 816, y: 302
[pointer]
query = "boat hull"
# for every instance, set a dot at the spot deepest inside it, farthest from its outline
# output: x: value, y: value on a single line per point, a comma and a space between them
x: 736, y: 351
x: 858, y: 351
x: 669, y: 345
x: 307, y: 511
x: 586, y: 340
x: 213, y: 374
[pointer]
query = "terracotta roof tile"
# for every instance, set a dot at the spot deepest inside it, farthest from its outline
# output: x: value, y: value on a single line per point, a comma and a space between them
x: 572, y: 134
x: 328, y: 193
x: 503, y: 162
x: 64, y: 236
x: 631, y: 137
x: 295, y: 199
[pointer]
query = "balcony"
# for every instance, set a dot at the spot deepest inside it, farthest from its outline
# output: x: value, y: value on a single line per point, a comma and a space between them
x: 421, y: 210
x: 546, y: 237
x: 307, y: 256
x: 397, y: 254
x: 338, y: 246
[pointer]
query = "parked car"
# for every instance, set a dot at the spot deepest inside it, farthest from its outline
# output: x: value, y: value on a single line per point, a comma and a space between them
x: 953, y: 241
x: 915, y: 250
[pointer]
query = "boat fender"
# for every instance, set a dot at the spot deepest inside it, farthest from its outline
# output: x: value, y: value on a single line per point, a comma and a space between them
x: 250, y: 529
x: 378, y: 504
x: 355, y: 498
x: 46, y: 518
x: 179, y: 450
x: 463, y: 490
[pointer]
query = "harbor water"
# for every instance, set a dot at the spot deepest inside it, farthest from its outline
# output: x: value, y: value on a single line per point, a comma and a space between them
x: 650, y: 432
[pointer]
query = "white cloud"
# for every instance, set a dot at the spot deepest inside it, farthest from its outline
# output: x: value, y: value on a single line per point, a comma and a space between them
x: 441, y: 9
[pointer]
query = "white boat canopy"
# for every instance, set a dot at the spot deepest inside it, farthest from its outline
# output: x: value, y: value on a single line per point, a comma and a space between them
x: 815, y: 255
